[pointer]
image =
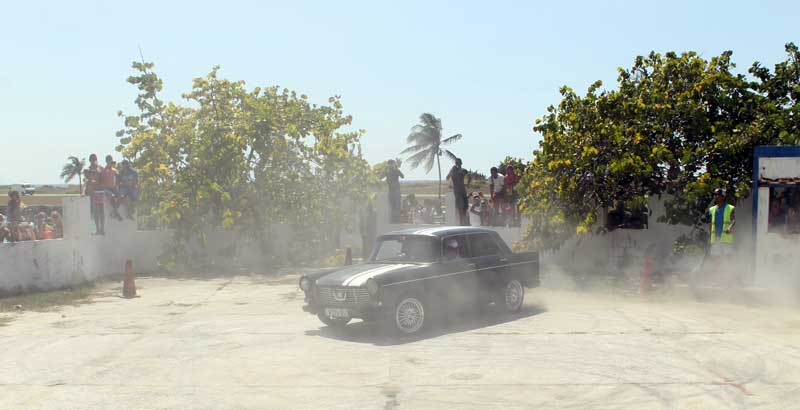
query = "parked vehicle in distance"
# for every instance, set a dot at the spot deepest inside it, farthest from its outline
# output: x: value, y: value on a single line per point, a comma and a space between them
x: 24, y: 189
x: 415, y: 272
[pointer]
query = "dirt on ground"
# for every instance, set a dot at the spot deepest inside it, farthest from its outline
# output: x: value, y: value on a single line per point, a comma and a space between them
x: 243, y: 342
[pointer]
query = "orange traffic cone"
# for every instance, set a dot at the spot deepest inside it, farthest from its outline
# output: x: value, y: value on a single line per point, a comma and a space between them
x: 129, y: 283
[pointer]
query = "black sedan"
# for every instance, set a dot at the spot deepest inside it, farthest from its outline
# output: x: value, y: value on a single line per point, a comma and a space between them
x: 415, y: 272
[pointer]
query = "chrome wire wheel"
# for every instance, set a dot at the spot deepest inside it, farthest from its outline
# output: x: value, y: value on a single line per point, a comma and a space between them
x: 514, y: 295
x: 409, y: 315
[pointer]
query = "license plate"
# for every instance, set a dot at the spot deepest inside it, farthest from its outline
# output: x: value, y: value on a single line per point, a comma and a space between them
x: 336, y: 313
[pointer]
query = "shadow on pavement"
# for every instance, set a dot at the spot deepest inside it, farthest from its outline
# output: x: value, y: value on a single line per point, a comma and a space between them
x: 441, y: 324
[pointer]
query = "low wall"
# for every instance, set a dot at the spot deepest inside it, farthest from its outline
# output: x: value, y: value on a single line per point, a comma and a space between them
x: 80, y: 256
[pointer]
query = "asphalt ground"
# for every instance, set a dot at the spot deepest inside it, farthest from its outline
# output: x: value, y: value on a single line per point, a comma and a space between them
x: 244, y: 343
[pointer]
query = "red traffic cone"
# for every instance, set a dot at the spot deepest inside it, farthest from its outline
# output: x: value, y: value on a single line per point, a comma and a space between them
x: 129, y: 282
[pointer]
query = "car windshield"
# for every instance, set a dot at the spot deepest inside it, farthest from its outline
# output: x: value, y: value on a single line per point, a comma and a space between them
x: 406, y: 249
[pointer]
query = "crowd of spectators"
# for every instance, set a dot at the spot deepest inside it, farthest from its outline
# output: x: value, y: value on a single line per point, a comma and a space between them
x: 499, y: 206
x: 14, y: 227
x: 119, y: 188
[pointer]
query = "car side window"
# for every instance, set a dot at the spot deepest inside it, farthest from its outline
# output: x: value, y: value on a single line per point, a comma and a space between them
x: 454, y: 247
x: 483, y: 244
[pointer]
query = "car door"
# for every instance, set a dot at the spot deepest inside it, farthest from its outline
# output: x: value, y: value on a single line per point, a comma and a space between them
x: 456, y: 282
x: 490, y: 261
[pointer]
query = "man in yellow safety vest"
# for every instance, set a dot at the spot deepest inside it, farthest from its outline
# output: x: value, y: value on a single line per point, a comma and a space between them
x: 723, y: 218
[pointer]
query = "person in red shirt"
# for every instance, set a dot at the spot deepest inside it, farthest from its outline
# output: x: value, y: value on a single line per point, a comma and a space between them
x: 509, y: 182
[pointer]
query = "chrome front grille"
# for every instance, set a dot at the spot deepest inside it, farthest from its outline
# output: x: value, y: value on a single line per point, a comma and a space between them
x: 342, y: 296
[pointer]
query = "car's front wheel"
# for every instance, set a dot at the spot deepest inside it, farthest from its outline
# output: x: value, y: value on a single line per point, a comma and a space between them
x: 337, y: 322
x: 512, y: 296
x: 408, y: 316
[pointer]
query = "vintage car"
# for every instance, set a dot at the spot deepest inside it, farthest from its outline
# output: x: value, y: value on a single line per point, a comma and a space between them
x: 415, y: 272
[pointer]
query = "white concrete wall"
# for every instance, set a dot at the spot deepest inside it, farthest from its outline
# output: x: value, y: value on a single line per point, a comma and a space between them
x: 80, y: 257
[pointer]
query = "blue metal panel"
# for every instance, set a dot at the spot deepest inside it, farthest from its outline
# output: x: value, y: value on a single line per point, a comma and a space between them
x: 777, y: 151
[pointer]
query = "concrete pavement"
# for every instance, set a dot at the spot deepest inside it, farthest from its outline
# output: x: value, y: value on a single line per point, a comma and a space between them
x: 243, y: 343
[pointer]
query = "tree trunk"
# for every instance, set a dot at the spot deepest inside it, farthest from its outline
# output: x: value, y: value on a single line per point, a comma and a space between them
x: 439, y: 165
x: 80, y: 185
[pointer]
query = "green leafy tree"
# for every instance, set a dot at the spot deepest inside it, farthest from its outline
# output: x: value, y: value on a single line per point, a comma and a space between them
x: 243, y: 160
x: 427, y: 145
x: 73, y: 168
x: 675, y: 125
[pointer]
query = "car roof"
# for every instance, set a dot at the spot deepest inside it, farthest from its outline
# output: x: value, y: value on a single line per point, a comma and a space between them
x: 439, y: 231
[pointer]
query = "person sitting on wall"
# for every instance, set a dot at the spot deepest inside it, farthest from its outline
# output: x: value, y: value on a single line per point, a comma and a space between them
x: 128, y: 187
x: 58, y: 224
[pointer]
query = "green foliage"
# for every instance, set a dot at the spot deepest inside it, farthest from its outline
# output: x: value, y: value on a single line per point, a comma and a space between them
x: 426, y: 144
x: 242, y: 159
x: 676, y: 125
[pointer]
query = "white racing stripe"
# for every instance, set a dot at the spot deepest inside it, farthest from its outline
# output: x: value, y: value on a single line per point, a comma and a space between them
x: 361, y: 278
x: 458, y: 273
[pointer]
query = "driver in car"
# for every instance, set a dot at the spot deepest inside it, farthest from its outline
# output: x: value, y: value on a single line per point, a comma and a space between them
x: 451, y: 250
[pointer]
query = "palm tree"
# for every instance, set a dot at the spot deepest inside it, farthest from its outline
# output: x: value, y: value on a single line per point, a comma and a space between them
x: 426, y: 145
x: 73, y: 168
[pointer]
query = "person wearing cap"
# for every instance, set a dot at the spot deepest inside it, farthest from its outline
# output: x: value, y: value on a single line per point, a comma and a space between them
x: 723, y: 219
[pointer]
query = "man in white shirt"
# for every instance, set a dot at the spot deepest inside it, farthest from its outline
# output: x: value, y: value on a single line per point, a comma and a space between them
x: 496, y: 189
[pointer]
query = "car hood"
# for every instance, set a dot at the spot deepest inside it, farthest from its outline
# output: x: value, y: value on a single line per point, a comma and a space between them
x: 357, y: 275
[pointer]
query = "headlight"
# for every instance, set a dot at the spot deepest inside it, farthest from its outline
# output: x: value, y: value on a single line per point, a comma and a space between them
x: 372, y: 286
x: 305, y: 284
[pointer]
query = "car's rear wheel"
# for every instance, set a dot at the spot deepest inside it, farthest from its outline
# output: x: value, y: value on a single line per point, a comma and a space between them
x: 337, y: 322
x: 408, y: 316
x: 512, y: 296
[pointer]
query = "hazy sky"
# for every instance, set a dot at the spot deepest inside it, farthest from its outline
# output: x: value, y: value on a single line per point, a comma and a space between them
x: 488, y: 69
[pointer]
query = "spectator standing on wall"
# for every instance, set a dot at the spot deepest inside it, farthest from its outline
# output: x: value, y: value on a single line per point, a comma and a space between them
x: 496, y: 183
x: 457, y: 175
x: 392, y: 176
x: 128, y: 187
x: 510, y: 182
x: 97, y: 196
